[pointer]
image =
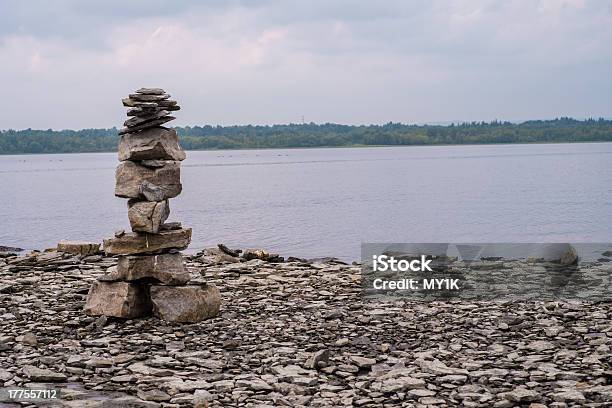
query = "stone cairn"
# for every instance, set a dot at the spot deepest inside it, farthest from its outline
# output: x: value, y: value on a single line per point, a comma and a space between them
x: 150, y: 276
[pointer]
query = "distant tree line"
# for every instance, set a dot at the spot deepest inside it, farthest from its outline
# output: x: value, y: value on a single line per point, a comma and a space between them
x: 323, y: 135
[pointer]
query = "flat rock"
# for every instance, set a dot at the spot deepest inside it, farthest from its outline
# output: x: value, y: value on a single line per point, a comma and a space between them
x: 42, y: 375
x: 5, y: 375
x: 167, y: 269
x: 151, y: 91
x: 131, y: 176
x: 401, y: 384
x: 147, y: 216
x: 185, y: 304
x: 167, y: 226
x: 118, y: 299
x: 143, y: 110
x: 78, y: 247
x: 142, y: 243
x: 153, y: 163
x: 152, y: 144
x: 10, y: 249
x: 167, y: 103
x: 437, y: 367
x: 133, y: 103
x: 141, y: 97
x: 153, y: 395
x: 150, y: 124
x: 144, y: 117
x: 540, y: 345
x: 362, y: 362
x: 521, y: 394
x: 172, y: 108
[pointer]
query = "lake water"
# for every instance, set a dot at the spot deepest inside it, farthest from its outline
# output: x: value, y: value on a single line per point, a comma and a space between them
x: 325, y: 202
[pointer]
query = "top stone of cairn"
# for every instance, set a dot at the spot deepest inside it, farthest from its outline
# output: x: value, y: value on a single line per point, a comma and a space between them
x: 150, y: 107
x: 151, y: 91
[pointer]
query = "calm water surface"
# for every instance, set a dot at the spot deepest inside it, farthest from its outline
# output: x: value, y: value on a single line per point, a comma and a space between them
x: 325, y: 202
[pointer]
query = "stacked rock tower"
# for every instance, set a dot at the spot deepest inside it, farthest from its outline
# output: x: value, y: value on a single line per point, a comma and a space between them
x: 150, y: 276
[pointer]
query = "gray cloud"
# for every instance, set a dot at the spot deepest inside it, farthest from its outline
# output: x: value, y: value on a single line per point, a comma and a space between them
x: 65, y: 64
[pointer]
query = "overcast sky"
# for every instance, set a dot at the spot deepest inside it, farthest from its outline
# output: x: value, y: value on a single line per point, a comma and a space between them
x: 66, y: 64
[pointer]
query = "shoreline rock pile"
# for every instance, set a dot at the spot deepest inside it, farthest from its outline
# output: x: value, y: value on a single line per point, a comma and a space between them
x: 150, y: 275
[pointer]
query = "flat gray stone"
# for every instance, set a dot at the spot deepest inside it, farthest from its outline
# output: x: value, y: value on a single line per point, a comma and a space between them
x: 141, y: 110
x: 145, y: 117
x: 42, y: 375
x: 151, y: 91
x: 167, y: 226
x: 166, y: 103
x: 153, y: 395
x: 522, y: 395
x: 130, y: 177
x: 150, y: 124
x: 143, y: 243
x: 78, y: 247
x: 149, y: 97
x: 133, y: 103
x: 153, y: 163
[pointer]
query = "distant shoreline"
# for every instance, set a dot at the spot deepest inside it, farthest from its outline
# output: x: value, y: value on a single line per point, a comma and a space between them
x: 324, y: 147
x: 311, y: 135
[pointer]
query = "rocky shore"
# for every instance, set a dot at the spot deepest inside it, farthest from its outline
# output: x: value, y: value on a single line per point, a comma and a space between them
x: 294, y: 333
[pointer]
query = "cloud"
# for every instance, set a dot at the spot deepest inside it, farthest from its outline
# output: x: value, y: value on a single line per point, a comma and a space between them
x: 66, y: 64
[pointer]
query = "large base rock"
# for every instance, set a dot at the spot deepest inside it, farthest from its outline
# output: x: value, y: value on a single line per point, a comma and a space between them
x: 185, y: 304
x: 118, y: 299
x: 147, y: 216
x: 78, y: 247
x: 143, y: 243
x: 167, y: 269
x: 152, y: 144
x: 130, y: 178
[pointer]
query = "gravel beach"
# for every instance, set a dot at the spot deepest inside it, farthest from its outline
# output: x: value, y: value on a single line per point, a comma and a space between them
x: 295, y: 333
